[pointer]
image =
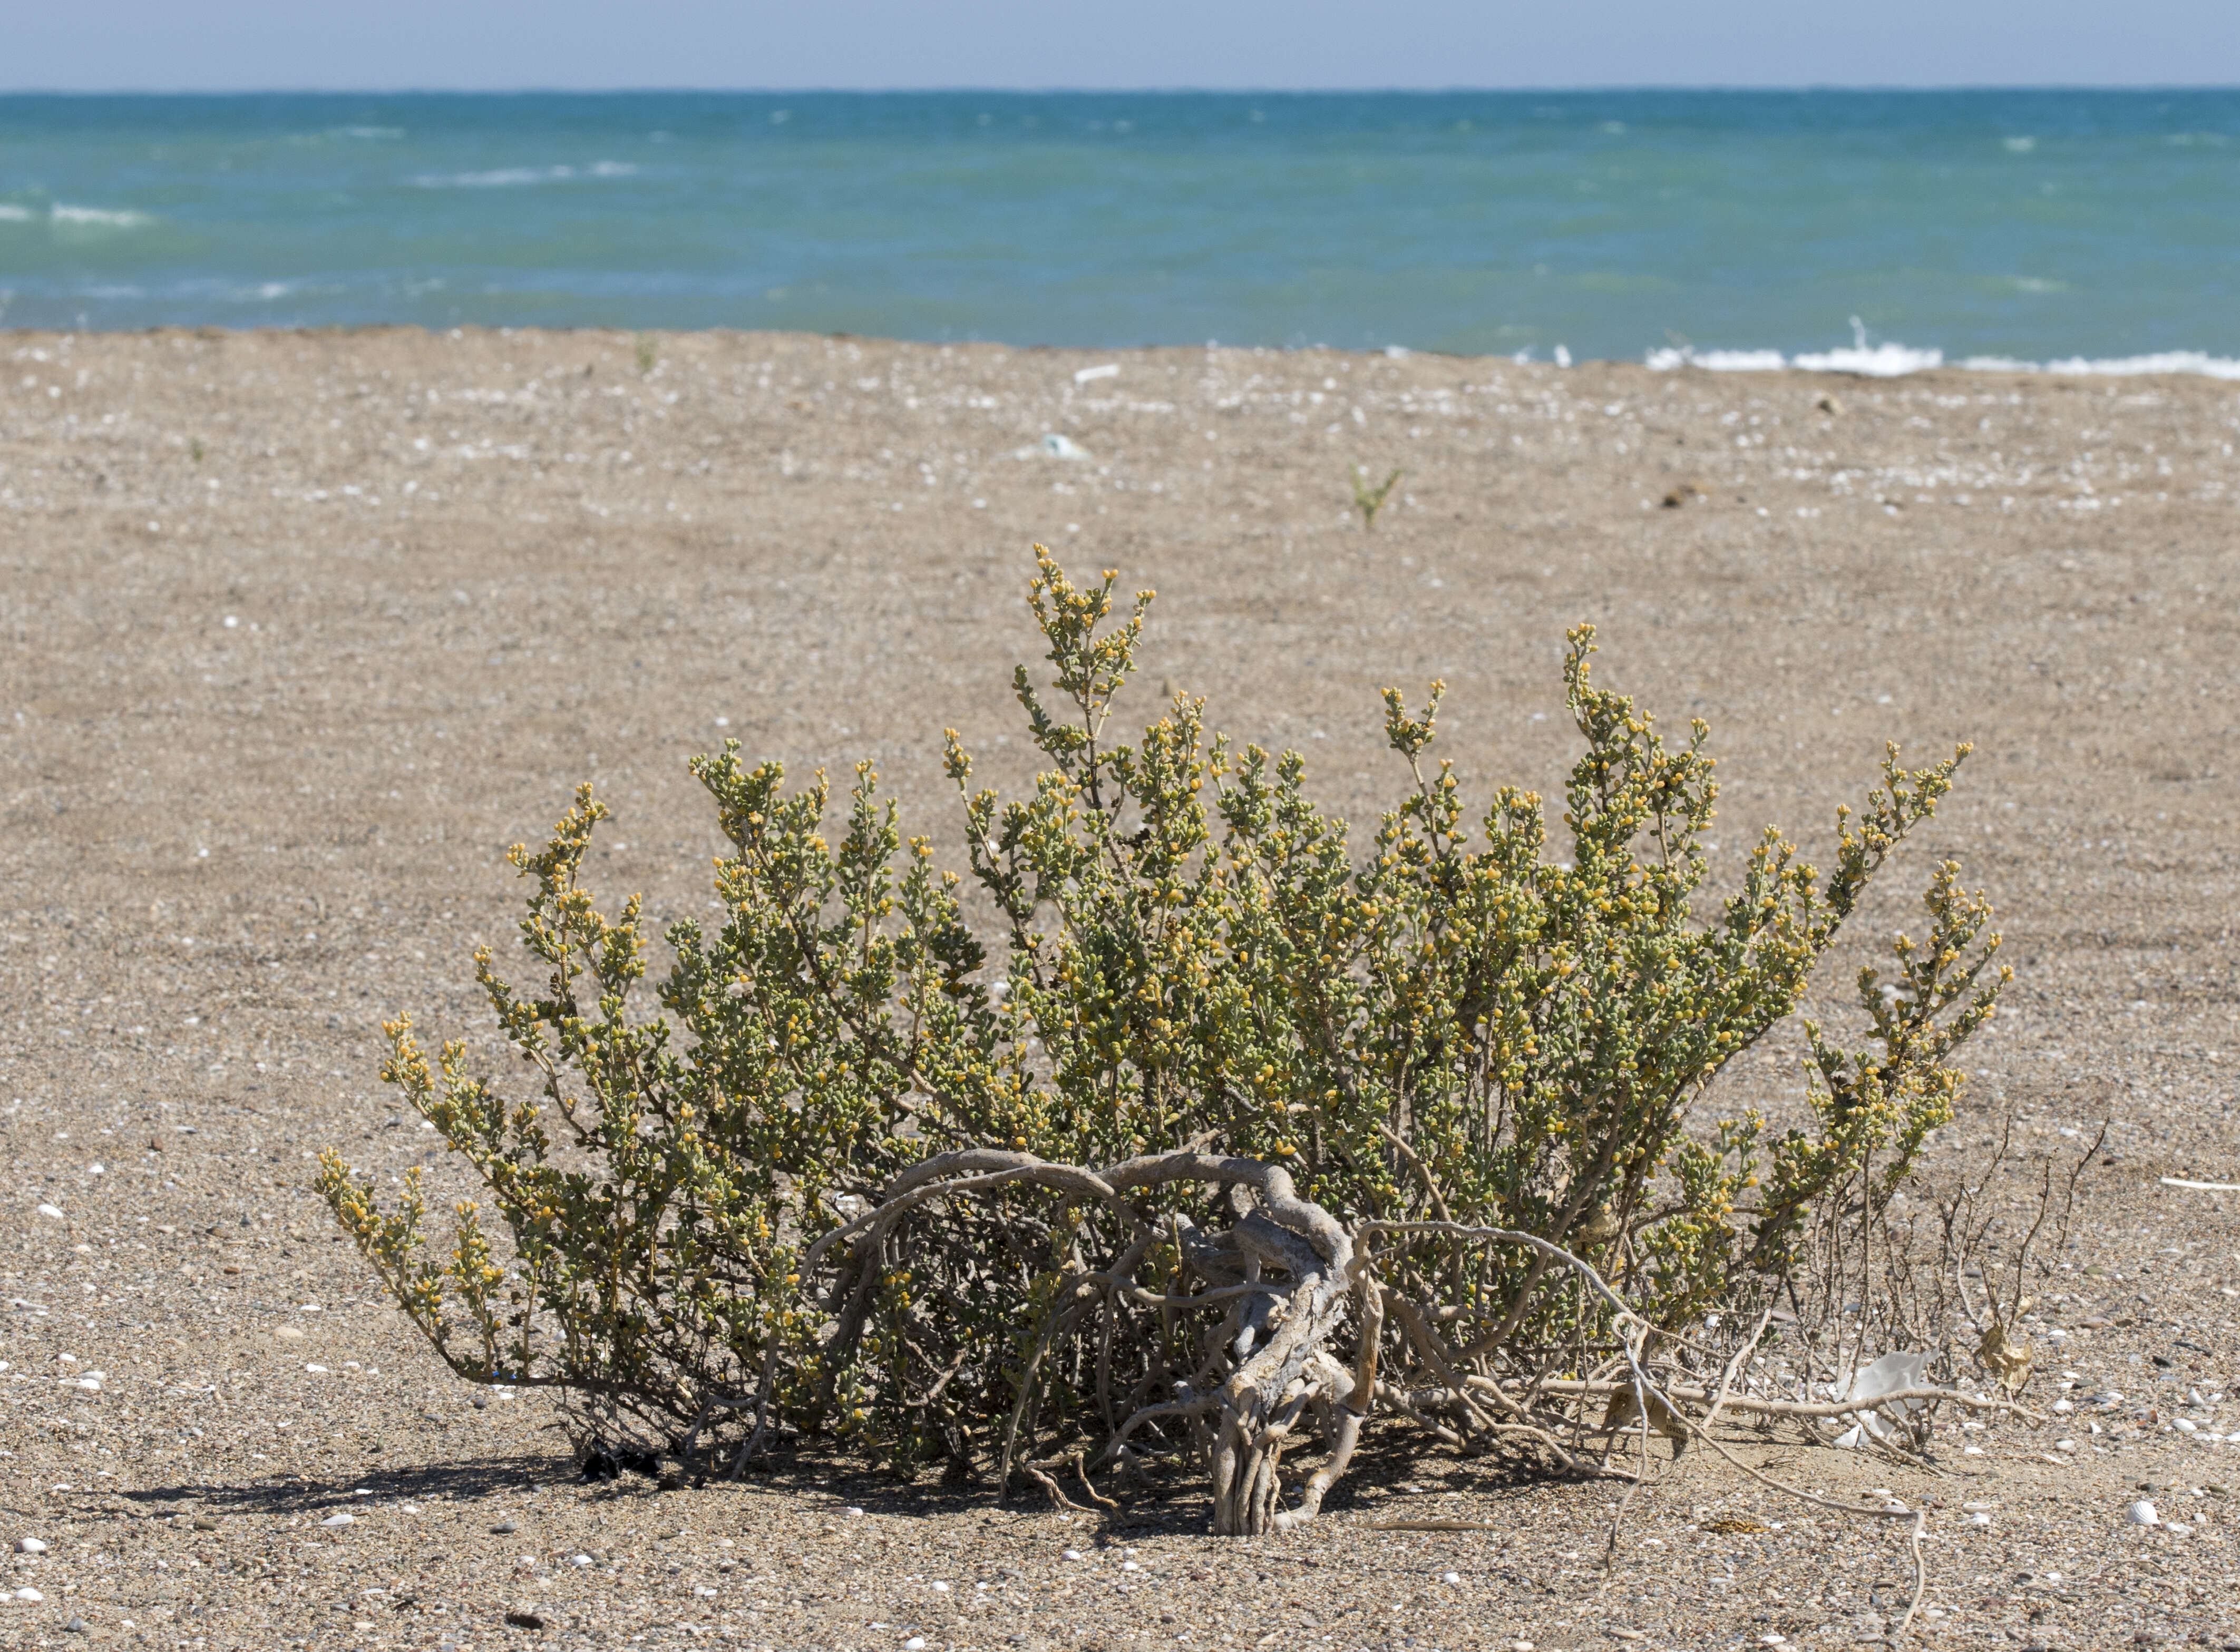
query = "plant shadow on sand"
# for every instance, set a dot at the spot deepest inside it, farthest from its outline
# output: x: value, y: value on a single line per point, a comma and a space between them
x: 1176, y: 1504
x: 470, y: 1479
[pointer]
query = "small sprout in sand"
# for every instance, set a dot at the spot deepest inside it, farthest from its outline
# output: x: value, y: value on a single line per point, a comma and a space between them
x: 1368, y: 500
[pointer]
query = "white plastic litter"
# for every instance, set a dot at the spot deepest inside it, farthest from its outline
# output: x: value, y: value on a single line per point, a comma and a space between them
x: 1891, y: 1373
x: 2143, y: 1514
x: 29, y: 1594
x: 1063, y: 446
x: 1979, y: 1520
x: 1091, y: 374
x: 342, y: 1519
x: 1451, y: 1577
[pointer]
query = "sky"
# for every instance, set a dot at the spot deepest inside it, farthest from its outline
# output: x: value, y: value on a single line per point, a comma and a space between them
x: 253, y: 45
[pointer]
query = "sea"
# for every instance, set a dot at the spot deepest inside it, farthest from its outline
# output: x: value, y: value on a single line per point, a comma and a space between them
x: 1876, y: 231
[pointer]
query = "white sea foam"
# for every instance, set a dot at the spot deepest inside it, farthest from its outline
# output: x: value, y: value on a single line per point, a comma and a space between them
x: 11, y: 213
x: 1889, y: 359
x: 1886, y: 360
x: 1895, y: 360
x: 98, y: 217
x: 514, y: 176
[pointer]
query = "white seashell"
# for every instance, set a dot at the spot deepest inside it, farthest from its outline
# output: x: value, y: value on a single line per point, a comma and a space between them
x: 1451, y: 1577
x: 2143, y: 1514
x: 30, y: 1546
x: 342, y: 1519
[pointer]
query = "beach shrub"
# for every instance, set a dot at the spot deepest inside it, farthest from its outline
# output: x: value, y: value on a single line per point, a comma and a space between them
x: 1227, y: 1124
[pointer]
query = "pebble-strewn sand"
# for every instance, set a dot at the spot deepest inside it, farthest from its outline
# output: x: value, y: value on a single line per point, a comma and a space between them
x: 301, y: 630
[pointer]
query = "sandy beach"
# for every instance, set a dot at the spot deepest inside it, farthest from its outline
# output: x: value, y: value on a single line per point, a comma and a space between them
x: 302, y: 629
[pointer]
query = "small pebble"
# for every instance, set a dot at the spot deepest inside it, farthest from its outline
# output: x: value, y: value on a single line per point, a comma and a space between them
x: 916, y: 1643
x: 1451, y: 1577
x: 30, y: 1546
x: 29, y: 1594
x: 75, y: 1626
x: 579, y: 1560
x: 851, y: 1513
x: 1070, y: 1554
x: 505, y: 1529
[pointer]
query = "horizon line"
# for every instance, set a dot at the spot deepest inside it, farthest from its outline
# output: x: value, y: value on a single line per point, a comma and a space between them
x: 1791, y: 89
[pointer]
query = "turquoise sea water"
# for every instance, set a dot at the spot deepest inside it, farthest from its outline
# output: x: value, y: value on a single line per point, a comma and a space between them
x: 2033, y: 225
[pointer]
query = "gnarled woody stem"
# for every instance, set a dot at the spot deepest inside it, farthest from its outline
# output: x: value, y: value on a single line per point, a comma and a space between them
x: 1282, y: 1367
x: 1273, y: 1384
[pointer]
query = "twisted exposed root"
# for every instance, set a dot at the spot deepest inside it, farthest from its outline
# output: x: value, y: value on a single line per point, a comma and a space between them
x: 1288, y: 1271
x: 1058, y: 1499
